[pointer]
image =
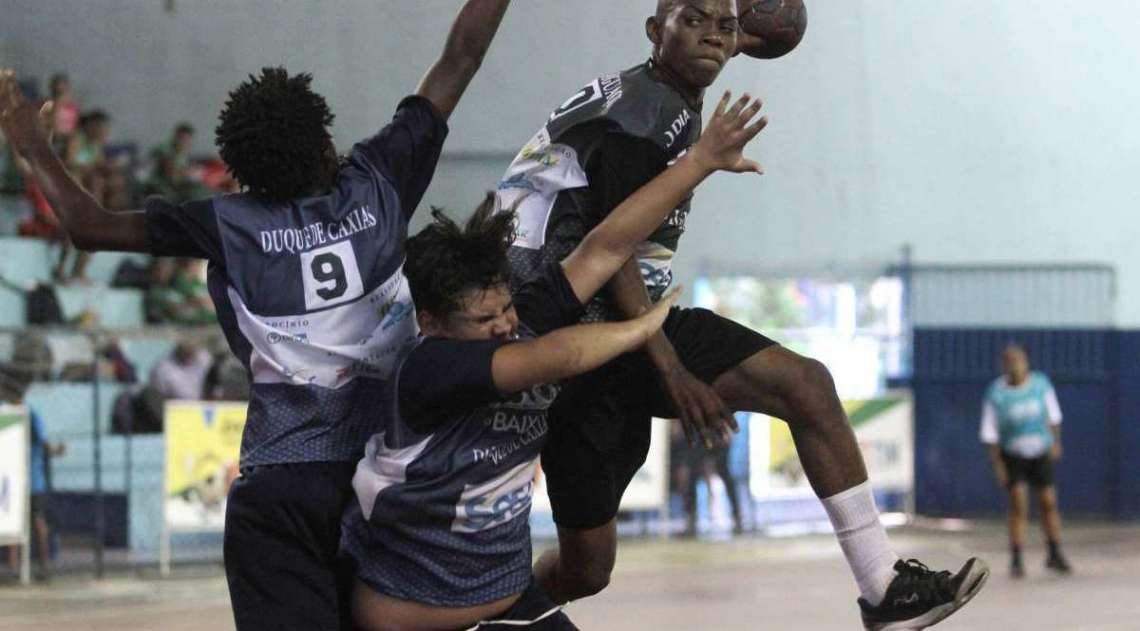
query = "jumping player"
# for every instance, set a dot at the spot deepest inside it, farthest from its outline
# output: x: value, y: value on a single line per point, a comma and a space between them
x: 440, y: 531
x: 306, y: 273
x: 1021, y: 428
x: 604, y: 142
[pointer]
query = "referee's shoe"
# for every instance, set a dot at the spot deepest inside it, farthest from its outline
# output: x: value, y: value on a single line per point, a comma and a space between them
x: 919, y: 597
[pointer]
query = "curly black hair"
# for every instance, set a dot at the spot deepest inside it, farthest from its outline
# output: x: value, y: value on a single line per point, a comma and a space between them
x: 274, y: 136
x: 444, y: 261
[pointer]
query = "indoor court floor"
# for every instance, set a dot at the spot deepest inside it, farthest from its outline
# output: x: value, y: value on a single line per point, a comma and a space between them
x: 797, y: 583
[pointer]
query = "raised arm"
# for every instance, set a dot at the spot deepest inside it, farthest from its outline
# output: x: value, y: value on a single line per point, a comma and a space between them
x: 90, y: 226
x: 609, y: 245
x: 573, y: 350
x: 467, y: 44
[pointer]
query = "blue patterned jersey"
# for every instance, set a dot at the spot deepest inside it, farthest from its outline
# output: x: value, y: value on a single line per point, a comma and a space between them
x: 310, y: 293
x: 444, y: 492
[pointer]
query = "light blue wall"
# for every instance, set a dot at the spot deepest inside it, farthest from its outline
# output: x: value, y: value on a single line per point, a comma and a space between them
x: 1001, y: 131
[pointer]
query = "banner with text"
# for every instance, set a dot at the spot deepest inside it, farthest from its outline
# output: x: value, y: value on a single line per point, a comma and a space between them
x: 884, y: 427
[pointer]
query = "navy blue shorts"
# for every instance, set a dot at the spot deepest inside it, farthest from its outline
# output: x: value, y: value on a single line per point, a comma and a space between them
x: 281, y: 543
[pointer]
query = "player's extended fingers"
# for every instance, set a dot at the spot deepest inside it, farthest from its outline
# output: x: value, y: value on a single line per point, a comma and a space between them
x: 750, y: 112
x: 739, y: 106
x: 723, y: 105
x: 755, y: 129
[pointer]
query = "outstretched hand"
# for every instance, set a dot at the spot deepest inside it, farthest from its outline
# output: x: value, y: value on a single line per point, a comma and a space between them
x: 23, y: 123
x: 721, y: 146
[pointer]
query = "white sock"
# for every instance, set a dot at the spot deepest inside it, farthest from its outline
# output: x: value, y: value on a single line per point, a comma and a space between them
x: 863, y: 539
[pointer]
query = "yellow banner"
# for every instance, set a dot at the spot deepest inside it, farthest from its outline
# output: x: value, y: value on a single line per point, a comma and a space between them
x: 203, y: 446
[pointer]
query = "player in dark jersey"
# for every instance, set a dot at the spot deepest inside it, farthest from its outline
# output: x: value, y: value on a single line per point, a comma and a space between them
x: 306, y: 273
x: 440, y: 531
x: 603, y: 143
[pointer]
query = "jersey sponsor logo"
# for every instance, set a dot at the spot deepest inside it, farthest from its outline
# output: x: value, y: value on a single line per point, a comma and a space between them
x: 496, y: 501
x: 676, y: 127
x: 395, y: 313
x: 538, y: 397
x: 332, y: 346
x: 276, y: 337
x: 294, y: 240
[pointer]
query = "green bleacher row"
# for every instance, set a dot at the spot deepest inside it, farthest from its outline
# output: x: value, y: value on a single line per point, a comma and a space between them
x: 25, y: 262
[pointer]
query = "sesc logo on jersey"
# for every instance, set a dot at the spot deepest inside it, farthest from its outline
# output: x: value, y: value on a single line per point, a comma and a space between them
x: 496, y: 501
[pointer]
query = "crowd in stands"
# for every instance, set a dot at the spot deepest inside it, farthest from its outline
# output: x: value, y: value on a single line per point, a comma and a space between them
x: 120, y: 176
x: 170, y: 292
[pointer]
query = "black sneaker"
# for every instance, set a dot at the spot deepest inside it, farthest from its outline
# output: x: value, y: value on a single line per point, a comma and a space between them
x: 1059, y: 564
x: 1016, y: 569
x: 920, y: 597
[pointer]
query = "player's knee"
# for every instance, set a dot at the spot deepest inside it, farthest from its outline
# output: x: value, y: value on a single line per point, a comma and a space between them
x: 813, y: 392
x: 587, y: 581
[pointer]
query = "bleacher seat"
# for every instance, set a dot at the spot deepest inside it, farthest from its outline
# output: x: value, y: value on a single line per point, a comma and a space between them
x: 67, y: 408
x: 26, y: 261
x: 144, y: 353
x: 117, y: 308
x: 103, y: 265
x: 13, y: 310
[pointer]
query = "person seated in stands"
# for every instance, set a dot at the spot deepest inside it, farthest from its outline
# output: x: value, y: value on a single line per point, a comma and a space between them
x: 65, y: 110
x: 171, y: 176
x: 178, y: 293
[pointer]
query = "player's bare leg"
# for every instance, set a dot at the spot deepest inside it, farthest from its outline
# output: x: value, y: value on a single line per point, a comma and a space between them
x: 895, y: 594
x: 1018, y: 524
x: 1051, y: 524
x: 581, y: 564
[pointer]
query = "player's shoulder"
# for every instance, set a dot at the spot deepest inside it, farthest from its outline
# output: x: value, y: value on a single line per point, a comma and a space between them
x: 630, y: 102
x: 1041, y: 379
x: 995, y: 387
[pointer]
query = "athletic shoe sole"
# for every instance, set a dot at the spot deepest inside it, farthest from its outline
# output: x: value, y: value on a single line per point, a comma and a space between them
x: 975, y: 579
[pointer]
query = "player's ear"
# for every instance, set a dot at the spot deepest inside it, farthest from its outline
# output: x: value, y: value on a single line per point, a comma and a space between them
x: 653, y: 30
x: 429, y: 325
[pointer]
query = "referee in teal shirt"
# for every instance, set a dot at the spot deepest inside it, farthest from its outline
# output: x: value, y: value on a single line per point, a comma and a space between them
x: 1021, y: 426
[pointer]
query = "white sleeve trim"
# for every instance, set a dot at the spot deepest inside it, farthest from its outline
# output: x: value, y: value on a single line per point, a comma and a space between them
x: 988, y: 433
x: 1053, y: 407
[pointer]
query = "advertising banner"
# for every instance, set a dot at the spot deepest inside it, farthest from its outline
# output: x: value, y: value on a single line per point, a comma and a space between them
x: 203, y: 444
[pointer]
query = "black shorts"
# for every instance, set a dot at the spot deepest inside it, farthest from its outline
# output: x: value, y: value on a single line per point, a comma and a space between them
x: 281, y: 542
x: 600, y: 424
x: 533, y: 610
x: 41, y: 506
x: 1038, y: 472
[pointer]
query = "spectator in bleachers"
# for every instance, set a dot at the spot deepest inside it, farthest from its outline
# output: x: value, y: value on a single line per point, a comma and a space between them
x: 182, y: 373
x: 65, y: 110
x: 171, y: 176
x: 178, y: 293
x: 14, y: 382
x: 227, y: 379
